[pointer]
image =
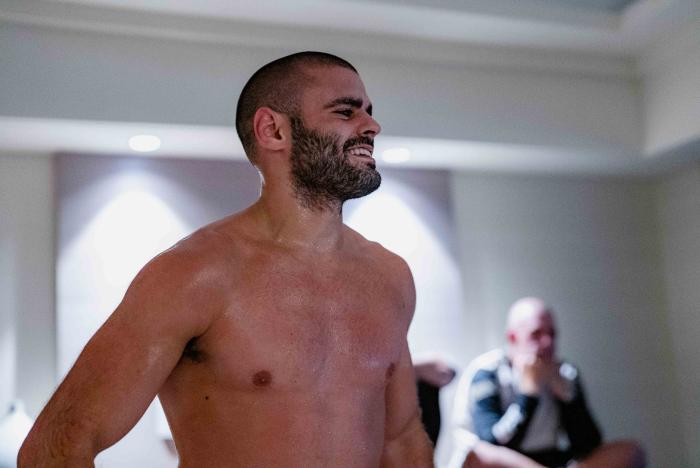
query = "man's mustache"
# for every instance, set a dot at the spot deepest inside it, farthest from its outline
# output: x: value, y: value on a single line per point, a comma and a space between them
x: 363, y: 140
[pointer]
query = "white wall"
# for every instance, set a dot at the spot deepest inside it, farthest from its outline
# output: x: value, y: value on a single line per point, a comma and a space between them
x: 678, y: 199
x: 63, y: 74
x: 27, y: 340
x: 671, y: 80
x: 589, y: 246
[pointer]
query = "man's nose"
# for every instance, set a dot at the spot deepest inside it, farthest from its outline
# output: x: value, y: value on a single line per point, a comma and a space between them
x: 370, y: 127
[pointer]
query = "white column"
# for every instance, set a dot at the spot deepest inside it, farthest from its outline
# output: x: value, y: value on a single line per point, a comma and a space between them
x: 27, y: 330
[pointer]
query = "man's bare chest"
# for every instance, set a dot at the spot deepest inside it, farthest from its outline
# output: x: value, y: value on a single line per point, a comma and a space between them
x: 286, y: 328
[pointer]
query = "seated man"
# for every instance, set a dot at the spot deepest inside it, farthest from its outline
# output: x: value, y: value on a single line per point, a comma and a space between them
x: 523, y: 407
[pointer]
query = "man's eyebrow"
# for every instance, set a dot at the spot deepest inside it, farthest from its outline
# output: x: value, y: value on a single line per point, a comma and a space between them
x: 348, y: 101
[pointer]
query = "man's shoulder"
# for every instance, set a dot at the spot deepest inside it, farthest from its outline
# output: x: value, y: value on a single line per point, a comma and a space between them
x: 377, y: 253
x: 385, y: 267
x: 487, y: 363
x: 395, y: 270
x: 481, y: 378
x: 177, y: 282
x: 199, y: 255
x: 490, y: 359
x: 220, y: 239
x: 199, y: 248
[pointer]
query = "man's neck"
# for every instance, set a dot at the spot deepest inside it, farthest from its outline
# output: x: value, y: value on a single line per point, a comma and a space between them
x: 289, y: 220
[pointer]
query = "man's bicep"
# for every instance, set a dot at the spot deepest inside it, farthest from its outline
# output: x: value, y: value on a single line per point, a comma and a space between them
x: 406, y: 442
x: 114, y: 379
x: 493, y: 424
x: 123, y: 365
x: 401, y: 396
x: 484, y: 404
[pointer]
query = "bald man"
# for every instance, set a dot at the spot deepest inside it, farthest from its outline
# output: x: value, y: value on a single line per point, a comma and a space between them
x: 525, y: 408
x: 275, y: 337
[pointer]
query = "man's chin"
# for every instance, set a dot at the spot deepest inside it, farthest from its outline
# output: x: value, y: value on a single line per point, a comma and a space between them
x: 371, y: 167
x: 369, y: 188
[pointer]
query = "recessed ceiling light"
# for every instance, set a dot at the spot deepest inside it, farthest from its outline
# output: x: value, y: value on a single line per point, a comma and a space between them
x: 144, y: 143
x: 396, y: 155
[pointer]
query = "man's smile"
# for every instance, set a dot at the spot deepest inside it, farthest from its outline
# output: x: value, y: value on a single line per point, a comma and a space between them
x: 363, y: 151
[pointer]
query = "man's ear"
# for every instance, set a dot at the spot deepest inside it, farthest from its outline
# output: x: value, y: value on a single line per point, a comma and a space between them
x: 510, y: 336
x: 271, y: 129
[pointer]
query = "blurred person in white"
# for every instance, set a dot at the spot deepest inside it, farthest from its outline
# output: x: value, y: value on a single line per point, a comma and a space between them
x: 524, y: 407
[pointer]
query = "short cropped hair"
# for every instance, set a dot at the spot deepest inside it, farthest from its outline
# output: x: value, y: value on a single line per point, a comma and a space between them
x: 277, y: 85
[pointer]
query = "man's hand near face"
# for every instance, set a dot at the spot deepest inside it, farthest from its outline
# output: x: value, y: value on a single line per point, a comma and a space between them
x: 539, y: 374
x: 535, y: 373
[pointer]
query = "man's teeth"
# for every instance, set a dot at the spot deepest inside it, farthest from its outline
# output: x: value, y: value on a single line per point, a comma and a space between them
x: 360, y: 152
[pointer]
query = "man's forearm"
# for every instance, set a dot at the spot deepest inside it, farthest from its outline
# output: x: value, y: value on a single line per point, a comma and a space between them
x: 411, y: 448
x: 30, y: 457
x: 54, y: 448
x: 36, y: 460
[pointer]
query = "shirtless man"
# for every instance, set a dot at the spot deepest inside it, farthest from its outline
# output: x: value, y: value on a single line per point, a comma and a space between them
x: 275, y: 337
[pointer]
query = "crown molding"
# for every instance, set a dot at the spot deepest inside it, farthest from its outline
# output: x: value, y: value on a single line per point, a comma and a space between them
x: 228, y: 32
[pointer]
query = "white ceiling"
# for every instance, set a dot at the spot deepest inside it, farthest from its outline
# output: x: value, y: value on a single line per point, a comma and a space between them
x: 619, y: 27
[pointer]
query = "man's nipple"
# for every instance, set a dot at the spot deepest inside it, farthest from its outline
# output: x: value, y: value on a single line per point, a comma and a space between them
x: 390, y: 370
x: 262, y: 379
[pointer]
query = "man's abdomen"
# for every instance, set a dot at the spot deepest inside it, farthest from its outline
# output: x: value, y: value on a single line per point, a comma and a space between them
x: 324, y: 427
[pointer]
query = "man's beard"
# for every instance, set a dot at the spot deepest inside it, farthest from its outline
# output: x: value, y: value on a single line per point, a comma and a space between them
x: 322, y: 175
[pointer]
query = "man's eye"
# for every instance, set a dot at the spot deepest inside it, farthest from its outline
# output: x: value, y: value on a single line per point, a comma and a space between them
x: 344, y: 112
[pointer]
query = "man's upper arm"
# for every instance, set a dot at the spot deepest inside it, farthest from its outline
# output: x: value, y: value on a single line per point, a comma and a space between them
x: 405, y: 442
x: 125, y: 363
x: 582, y: 430
x: 490, y: 422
